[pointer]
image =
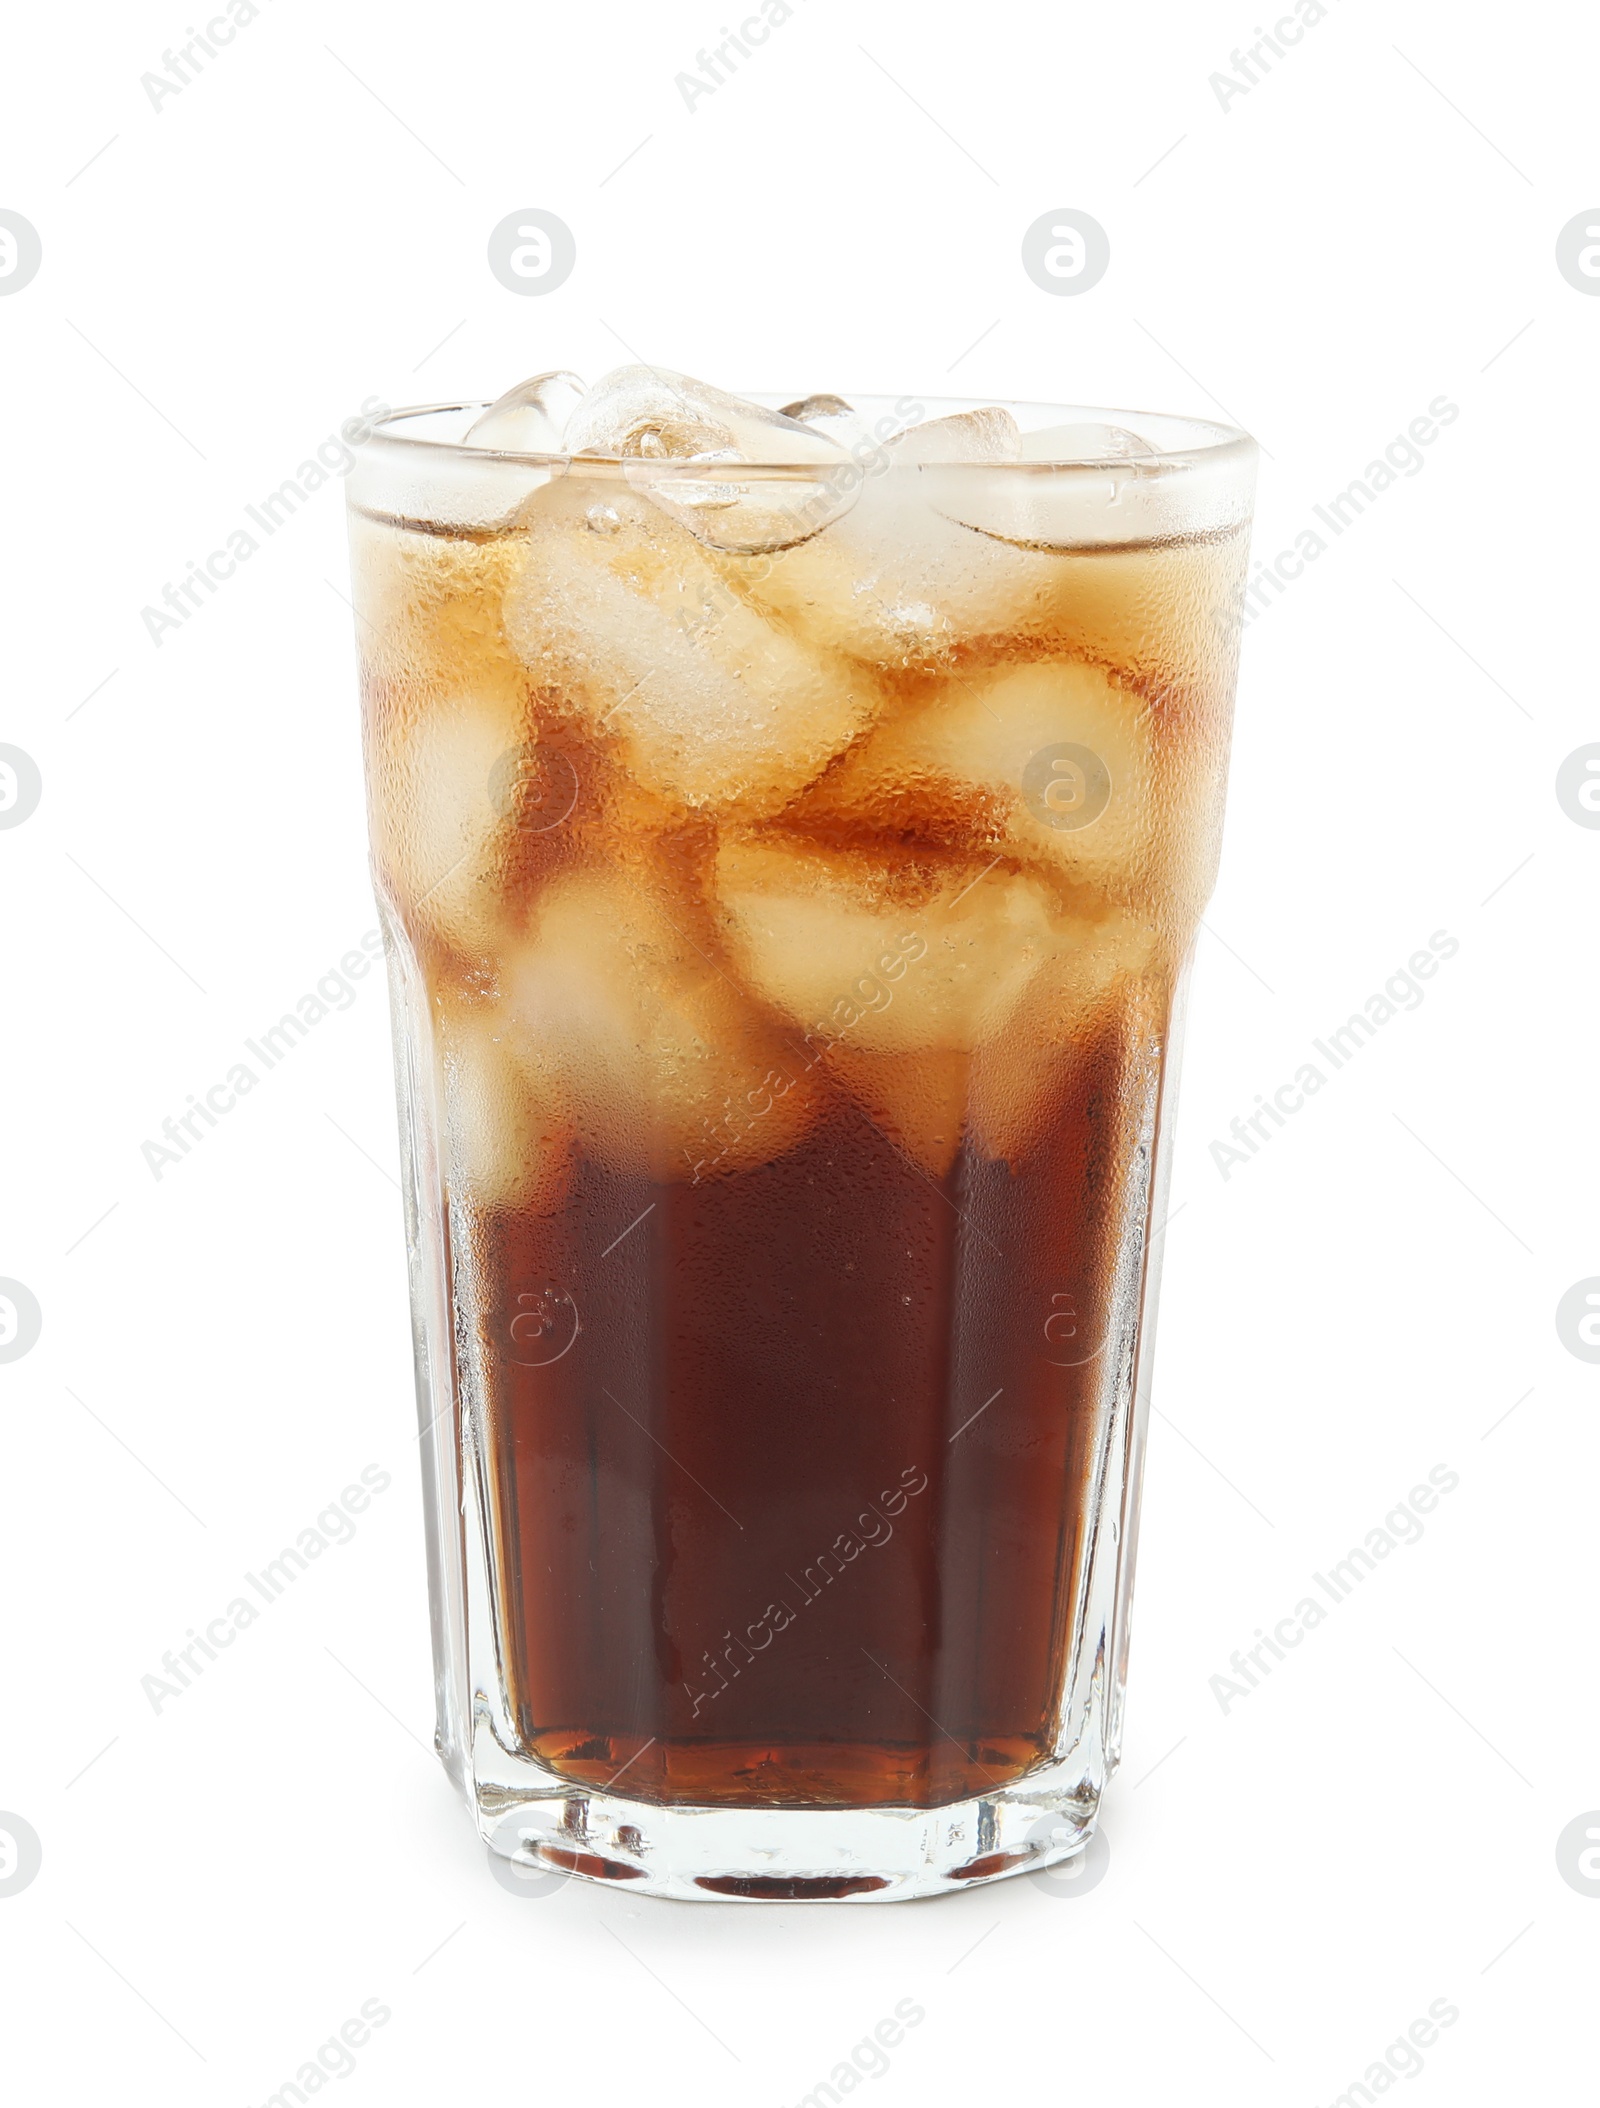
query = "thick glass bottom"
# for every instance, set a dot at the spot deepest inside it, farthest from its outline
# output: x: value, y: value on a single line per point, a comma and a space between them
x: 786, y: 1855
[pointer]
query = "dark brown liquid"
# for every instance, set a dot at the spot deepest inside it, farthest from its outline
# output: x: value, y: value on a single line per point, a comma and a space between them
x: 791, y: 1471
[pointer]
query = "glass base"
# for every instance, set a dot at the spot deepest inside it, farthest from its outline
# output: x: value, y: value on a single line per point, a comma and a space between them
x: 784, y: 1855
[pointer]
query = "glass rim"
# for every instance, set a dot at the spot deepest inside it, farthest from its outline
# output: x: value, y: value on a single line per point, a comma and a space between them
x: 1221, y: 443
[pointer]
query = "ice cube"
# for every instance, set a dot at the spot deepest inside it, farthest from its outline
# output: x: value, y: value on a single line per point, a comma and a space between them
x: 508, y: 1142
x: 918, y: 1100
x: 651, y: 418
x: 1046, y: 510
x: 1113, y: 979
x: 530, y: 418
x: 447, y: 703
x: 891, y: 956
x: 1086, y: 442
x: 664, y: 1066
x: 834, y: 418
x: 819, y: 409
x: 894, y: 580
x: 429, y: 608
x: 714, y: 706
x: 904, y: 585
x: 962, y: 557
x: 439, y: 840
x: 650, y: 413
x: 1163, y: 614
x: 971, y: 435
x: 1054, y: 762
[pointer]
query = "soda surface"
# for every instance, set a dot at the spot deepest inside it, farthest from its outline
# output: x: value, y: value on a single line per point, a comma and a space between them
x: 796, y: 922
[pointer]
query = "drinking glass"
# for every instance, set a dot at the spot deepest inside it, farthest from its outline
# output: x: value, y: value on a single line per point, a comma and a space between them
x: 789, y: 872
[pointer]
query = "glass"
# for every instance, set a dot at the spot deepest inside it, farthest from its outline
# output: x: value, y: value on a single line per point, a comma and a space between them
x: 788, y: 885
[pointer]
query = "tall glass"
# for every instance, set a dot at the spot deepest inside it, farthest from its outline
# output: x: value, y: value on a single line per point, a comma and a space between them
x: 789, y: 883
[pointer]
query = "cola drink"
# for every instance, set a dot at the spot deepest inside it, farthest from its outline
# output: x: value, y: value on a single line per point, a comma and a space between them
x: 791, y: 826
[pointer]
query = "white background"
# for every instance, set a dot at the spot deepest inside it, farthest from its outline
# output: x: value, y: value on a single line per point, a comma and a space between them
x: 303, y: 226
